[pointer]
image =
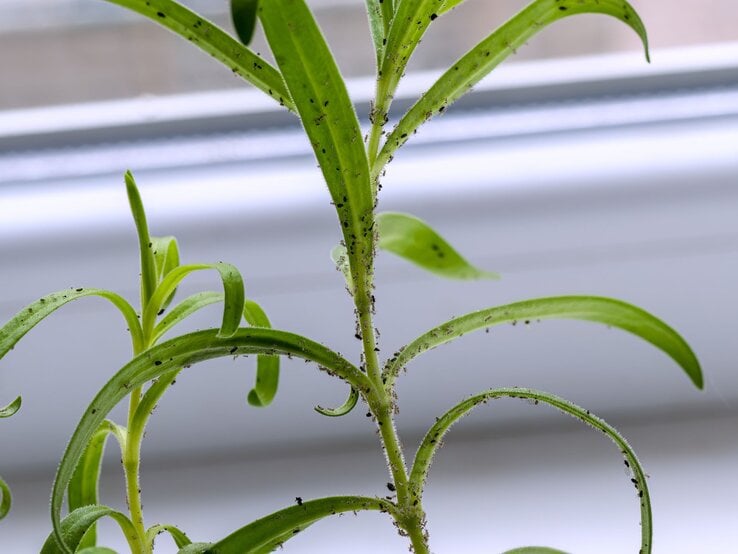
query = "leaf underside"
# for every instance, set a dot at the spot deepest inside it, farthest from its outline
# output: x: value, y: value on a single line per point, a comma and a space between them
x: 434, y: 439
x: 607, y: 311
x: 415, y: 241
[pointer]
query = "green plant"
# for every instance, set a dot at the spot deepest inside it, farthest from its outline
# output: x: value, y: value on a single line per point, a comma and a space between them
x: 307, y: 82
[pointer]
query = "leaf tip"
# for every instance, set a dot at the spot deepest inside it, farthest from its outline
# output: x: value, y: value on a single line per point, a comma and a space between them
x: 254, y: 399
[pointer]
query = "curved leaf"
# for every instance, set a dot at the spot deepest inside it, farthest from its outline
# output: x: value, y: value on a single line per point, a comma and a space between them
x: 12, y: 408
x: 433, y: 439
x: 181, y: 352
x: 608, y: 311
x: 214, y: 41
x: 34, y: 313
x: 267, y: 367
x: 243, y: 15
x: 96, y: 550
x: 342, y: 410
x: 183, y: 310
x: 76, y: 524
x: 6, y: 498
x: 83, y: 487
x: 414, y: 240
x: 330, y: 123
x: 272, y: 530
x: 490, y: 52
x: 232, y: 287
x: 180, y: 539
x: 534, y: 550
x: 149, y: 279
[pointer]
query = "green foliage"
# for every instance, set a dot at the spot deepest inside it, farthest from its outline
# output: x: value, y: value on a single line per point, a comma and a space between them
x: 307, y: 82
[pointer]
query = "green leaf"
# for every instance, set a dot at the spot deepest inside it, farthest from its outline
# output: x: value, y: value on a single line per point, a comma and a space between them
x: 408, y: 26
x: 182, y: 352
x: 339, y: 255
x: 534, y: 550
x: 243, y: 15
x: 180, y: 539
x: 184, y: 309
x: 96, y: 550
x: 34, y: 313
x: 380, y: 14
x: 195, y: 548
x: 607, y: 311
x: 166, y: 257
x: 449, y: 5
x: 272, y: 530
x: 76, y: 524
x: 232, y: 287
x: 214, y: 41
x: 83, y: 487
x: 148, y: 262
x: 414, y: 240
x: 487, y: 55
x: 267, y: 367
x: 11, y: 408
x: 329, y: 119
x: 6, y: 498
x: 433, y: 440
x: 342, y: 410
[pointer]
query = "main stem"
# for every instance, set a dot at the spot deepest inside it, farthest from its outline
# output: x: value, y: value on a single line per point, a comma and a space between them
x: 410, y: 517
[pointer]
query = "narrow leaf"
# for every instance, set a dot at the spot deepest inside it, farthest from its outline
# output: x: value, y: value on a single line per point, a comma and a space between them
x: 96, y: 550
x: 214, y: 41
x: 11, y: 408
x: 433, y: 440
x: 195, y: 548
x: 284, y: 524
x: 408, y: 26
x: 489, y: 53
x: 342, y: 410
x: 182, y: 352
x: 534, y: 550
x: 340, y: 258
x: 267, y: 367
x: 180, y: 539
x: 6, y: 499
x: 232, y: 287
x: 330, y: 122
x: 166, y: 258
x: 75, y: 525
x: 34, y: 313
x: 380, y: 14
x: 414, y: 240
x: 449, y: 5
x: 184, y: 309
x: 607, y: 311
x: 243, y: 15
x: 148, y: 262
x: 83, y: 487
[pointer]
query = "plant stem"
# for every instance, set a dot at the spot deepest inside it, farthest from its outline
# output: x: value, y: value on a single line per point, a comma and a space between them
x: 131, y: 466
x: 412, y: 516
